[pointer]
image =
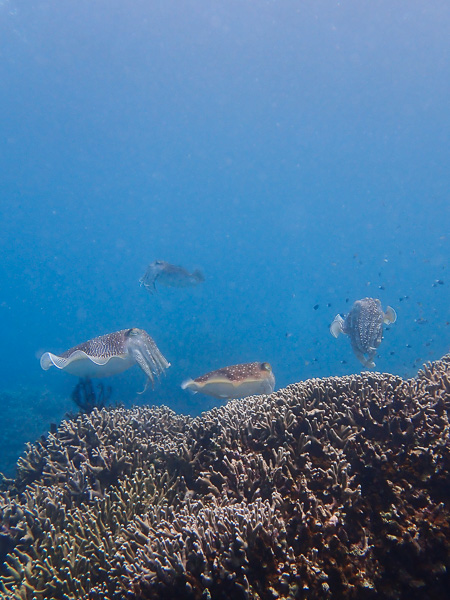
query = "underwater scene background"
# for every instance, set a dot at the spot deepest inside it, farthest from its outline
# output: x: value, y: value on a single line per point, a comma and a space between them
x: 295, y: 152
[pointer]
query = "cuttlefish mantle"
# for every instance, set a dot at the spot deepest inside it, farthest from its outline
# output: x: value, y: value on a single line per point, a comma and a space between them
x: 235, y: 381
x: 110, y: 354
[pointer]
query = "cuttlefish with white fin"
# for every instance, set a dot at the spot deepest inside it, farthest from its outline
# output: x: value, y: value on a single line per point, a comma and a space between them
x: 169, y: 275
x: 111, y: 354
x: 236, y: 381
x: 364, y: 326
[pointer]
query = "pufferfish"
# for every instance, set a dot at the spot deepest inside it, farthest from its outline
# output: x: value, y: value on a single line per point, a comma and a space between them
x: 364, y: 326
x: 110, y: 354
x: 236, y: 381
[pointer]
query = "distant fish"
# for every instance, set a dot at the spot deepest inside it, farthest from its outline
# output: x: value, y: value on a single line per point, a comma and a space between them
x: 421, y: 321
x: 110, y: 354
x: 237, y: 381
x: 169, y: 275
x: 364, y: 326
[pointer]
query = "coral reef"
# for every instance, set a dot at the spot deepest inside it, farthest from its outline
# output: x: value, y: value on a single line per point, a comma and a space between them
x: 27, y: 413
x: 331, y: 488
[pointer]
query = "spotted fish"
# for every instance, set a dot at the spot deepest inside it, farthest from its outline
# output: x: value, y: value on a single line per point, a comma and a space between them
x: 364, y: 326
x: 110, y: 354
x: 236, y: 381
x: 169, y: 275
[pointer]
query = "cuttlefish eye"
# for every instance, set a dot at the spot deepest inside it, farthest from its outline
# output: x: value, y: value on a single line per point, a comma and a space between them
x: 133, y: 331
x: 266, y: 367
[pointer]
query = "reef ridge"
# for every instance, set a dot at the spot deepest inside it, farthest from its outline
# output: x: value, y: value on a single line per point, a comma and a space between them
x: 334, y: 488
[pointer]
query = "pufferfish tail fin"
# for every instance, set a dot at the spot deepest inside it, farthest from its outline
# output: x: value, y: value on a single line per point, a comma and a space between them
x: 390, y: 316
x: 337, y: 326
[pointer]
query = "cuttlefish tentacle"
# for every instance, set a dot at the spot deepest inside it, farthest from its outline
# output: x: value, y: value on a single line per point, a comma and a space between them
x: 150, y: 276
x: 110, y: 354
x: 147, y: 355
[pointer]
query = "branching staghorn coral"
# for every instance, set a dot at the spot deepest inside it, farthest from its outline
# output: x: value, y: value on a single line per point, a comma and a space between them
x: 329, y: 488
x: 203, y: 550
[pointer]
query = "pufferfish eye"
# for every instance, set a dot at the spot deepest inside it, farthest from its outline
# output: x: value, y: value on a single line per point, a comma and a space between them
x: 265, y: 367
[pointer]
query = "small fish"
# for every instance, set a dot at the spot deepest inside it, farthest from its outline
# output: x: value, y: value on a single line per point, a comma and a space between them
x: 169, y: 275
x: 364, y: 326
x: 236, y: 381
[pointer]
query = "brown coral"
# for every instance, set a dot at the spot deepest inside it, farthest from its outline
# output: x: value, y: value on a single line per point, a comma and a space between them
x: 330, y: 488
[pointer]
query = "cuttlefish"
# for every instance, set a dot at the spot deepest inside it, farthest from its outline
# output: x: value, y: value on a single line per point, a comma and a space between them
x: 169, y: 275
x: 237, y: 381
x: 364, y: 326
x: 111, y: 354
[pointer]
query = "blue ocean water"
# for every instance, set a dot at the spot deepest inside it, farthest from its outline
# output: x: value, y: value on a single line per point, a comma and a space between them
x: 295, y: 151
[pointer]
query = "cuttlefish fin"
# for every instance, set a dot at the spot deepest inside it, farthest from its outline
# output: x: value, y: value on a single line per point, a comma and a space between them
x: 390, y: 316
x: 48, y: 360
x: 188, y: 384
